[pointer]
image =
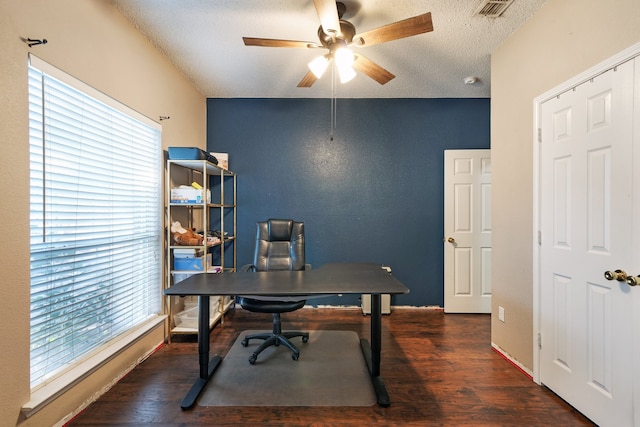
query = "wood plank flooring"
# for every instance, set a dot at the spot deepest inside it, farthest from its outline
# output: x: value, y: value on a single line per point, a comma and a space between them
x: 440, y: 370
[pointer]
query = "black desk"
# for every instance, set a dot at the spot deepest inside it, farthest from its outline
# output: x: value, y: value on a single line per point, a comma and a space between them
x: 347, y: 278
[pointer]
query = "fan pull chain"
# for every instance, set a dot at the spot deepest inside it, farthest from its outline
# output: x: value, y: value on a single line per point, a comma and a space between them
x: 333, y: 101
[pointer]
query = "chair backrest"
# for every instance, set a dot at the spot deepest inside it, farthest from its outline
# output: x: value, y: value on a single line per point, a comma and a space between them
x: 279, y: 245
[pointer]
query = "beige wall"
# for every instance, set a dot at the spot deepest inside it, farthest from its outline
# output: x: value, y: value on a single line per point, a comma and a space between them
x: 92, y: 42
x: 564, y: 38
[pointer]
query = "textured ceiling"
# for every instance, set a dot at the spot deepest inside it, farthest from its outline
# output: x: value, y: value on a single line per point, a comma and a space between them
x: 203, y: 38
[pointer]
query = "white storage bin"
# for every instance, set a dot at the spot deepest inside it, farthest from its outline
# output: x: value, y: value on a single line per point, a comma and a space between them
x: 187, y: 318
x: 192, y: 302
x: 179, y: 277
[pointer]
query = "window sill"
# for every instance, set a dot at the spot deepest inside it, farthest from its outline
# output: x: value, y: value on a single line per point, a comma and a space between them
x: 47, y: 393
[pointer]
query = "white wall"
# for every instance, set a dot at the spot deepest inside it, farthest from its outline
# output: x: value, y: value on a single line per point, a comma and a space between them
x: 93, y: 42
x: 563, y: 39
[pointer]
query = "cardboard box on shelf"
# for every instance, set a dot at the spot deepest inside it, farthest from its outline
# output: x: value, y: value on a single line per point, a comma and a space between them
x: 188, y: 195
x: 223, y: 159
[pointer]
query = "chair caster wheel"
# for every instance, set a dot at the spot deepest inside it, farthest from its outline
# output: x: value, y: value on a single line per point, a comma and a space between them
x: 295, y: 356
x: 252, y: 359
x: 305, y: 339
x: 244, y: 342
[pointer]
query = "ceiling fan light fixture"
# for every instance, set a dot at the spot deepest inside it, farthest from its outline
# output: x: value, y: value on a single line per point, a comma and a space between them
x: 344, y: 57
x: 344, y: 62
x: 319, y: 65
x: 346, y: 74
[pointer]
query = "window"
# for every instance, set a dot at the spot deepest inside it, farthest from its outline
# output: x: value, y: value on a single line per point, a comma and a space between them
x: 95, y: 219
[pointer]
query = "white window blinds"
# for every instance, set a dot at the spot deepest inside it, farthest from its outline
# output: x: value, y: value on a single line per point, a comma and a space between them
x: 95, y: 219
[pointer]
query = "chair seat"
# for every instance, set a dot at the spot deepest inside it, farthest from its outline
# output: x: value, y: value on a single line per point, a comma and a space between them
x: 261, y: 306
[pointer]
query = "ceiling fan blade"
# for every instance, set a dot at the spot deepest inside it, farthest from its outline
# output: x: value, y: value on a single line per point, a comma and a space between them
x: 397, y: 30
x: 371, y: 69
x: 328, y: 14
x: 254, y: 41
x: 308, y: 80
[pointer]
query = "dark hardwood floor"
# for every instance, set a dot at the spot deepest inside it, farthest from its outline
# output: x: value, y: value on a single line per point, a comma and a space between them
x: 440, y: 370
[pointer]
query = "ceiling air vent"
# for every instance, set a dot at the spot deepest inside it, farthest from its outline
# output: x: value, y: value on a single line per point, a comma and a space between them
x: 492, y: 8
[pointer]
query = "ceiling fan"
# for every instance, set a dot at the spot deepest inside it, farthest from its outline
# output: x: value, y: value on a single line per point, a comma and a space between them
x: 339, y: 35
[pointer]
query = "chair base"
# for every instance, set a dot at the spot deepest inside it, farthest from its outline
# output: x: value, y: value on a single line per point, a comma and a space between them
x: 275, y: 339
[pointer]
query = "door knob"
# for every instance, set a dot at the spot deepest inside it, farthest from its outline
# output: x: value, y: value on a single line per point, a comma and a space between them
x: 451, y: 240
x: 618, y: 275
x: 633, y: 280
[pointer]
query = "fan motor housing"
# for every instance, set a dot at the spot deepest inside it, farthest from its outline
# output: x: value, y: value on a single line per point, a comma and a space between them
x: 347, y: 29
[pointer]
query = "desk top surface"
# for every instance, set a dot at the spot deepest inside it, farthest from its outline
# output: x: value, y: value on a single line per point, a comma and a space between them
x: 338, y: 278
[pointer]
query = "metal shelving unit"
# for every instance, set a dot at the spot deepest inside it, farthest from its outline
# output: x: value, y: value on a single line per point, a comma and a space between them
x: 214, y: 218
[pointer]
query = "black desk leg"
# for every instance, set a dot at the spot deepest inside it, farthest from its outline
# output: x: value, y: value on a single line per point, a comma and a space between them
x: 372, y: 353
x: 207, y: 368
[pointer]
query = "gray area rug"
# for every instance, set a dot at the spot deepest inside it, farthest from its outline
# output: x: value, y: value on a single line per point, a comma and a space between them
x: 331, y: 371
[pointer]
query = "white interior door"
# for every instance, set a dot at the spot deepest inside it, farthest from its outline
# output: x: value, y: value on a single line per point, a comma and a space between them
x: 586, y: 219
x: 467, y: 229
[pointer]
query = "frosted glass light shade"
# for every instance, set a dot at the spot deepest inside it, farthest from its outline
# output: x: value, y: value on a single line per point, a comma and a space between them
x: 318, y: 66
x: 344, y: 62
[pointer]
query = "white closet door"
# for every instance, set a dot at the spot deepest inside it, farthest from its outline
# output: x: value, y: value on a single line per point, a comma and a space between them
x: 586, y: 212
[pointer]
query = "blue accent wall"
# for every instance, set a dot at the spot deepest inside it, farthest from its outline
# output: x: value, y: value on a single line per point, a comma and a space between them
x: 374, y: 193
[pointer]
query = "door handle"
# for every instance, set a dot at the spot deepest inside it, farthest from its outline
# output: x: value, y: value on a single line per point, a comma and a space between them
x: 621, y: 276
x: 618, y: 275
x: 451, y: 240
x: 633, y: 280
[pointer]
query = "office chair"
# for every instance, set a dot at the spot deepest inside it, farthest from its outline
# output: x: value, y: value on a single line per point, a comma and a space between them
x: 279, y: 246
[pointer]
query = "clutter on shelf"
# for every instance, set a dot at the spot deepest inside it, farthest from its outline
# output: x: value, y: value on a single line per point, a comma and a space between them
x: 223, y: 159
x: 188, y: 237
x: 184, y: 237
